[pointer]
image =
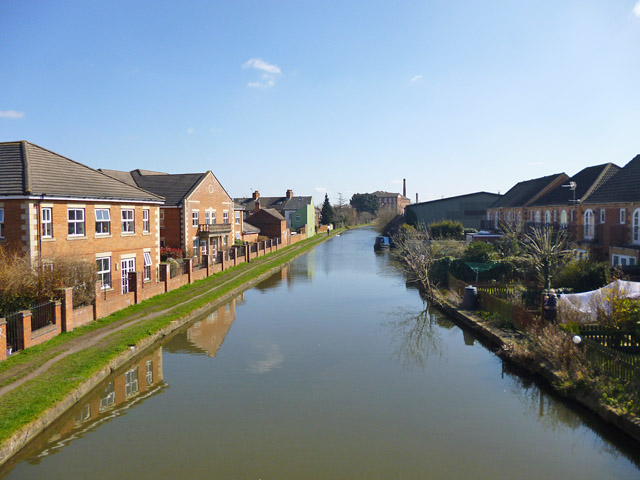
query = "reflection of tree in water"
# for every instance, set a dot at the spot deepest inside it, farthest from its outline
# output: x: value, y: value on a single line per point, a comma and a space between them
x: 415, y: 336
x: 555, y: 416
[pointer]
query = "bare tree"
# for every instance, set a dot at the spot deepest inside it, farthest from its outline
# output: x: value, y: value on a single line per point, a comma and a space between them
x: 412, y: 247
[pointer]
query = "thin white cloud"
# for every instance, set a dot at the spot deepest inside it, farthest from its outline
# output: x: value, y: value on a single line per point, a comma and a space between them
x: 636, y: 9
x: 417, y: 78
x: 190, y: 131
x: 269, y: 73
x: 396, y: 181
x: 260, y: 64
x: 320, y: 189
x: 535, y: 164
x: 11, y: 114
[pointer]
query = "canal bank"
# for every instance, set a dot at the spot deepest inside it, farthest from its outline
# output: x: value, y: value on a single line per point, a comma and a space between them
x: 502, y: 341
x: 86, y: 360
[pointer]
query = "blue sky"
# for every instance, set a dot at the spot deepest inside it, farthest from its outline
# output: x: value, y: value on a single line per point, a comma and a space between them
x: 337, y: 97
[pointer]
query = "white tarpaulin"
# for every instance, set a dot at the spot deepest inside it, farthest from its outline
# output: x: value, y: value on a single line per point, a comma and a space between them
x: 587, y: 302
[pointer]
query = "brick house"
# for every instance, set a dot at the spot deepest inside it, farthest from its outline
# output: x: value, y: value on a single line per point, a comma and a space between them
x: 298, y: 212
x: 198, y: 215
x: 270, y: 223
x: 514, y: 207
x: 53, y: 207
x: 561, y: 207
x: 393, y: 201
x: 611, y: 217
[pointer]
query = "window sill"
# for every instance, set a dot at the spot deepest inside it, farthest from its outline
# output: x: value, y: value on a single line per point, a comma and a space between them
x: 128, y: 234
x: 77, y: 237
x: 146, y: 233
x: 47, y: 239
x: 107, y: 289
x: 102, y: 235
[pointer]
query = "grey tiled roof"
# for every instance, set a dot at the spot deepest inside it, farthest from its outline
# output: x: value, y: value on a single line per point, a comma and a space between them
x: 174, y: 188
x: 522, y: 193
x: 587, y: 180
x: 280, y: 204
x: 28, y: 169
x: 624, y: 186
x: 248, y: 228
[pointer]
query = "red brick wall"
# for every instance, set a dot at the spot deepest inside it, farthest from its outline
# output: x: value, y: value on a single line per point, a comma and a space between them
x: 14, y: 228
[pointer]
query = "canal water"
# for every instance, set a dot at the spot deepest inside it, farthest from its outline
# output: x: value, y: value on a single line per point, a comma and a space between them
x: 331, y: 368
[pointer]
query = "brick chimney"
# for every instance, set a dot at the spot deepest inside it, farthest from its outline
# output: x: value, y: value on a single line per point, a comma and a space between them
x: 404, y: 187
x: 256, y: 206
x: 256, y: 195
x: 289, y: 193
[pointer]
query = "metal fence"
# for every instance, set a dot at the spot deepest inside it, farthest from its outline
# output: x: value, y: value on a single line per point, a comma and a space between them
x: 15, y: 341
x: 43, y: 315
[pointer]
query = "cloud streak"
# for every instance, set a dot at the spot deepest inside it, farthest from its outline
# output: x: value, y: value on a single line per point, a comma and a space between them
x: 11, y: 114
x: 636, y: 9
x: 269, y: 72
x: 416, y: 79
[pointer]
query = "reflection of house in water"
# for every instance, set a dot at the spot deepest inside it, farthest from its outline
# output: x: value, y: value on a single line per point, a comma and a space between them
x: 206, y: 335
x: 137, y: 382
x: 301, y: 270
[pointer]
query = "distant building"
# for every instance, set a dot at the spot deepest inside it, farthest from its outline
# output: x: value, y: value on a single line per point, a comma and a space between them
x: 469, y: 209
x: 298, y: 211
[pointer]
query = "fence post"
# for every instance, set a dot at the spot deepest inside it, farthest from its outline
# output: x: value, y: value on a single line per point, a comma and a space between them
x: 189, y: 263
x: 135, y: 286
x: 205, y: 260
x: 67, y: 309
x: 24, y: 328
x: 165, y: 273
x: 3, y: 339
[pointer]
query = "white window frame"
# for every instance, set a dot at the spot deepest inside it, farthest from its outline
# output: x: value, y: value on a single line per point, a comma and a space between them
x: 128, y: 224
x: 225, y: 217
x: 488, y: 214
x: 555, y: 216
x: 589, y: 227
x: 623, y: 216
x: 213, y: 217
x: 102, y: 273
x: 101, y: 219
x: 46, y: 220
x: 149, y: 376
x: 602, y: 215
x: 196, y: 246
x: 1, y: 222
x: 126, y: 265
x: 547, y: 217
x: 622, y: 260
x: 563, y: 219
x: 147, y: 265
x: 237, y: 215
x: 635, y: 227
x: 131, y: 386
x: 195, y: 217
x: 145, y: 221
x: 207, y: 217
x: 75, y: 225
x: 108, y: 398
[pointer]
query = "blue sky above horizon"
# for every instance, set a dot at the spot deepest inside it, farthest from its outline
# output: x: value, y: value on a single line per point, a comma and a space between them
x: 336, y: 97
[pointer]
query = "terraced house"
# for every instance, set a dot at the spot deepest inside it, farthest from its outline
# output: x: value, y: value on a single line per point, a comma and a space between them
x: 198, y: 216
x: 53, y: 207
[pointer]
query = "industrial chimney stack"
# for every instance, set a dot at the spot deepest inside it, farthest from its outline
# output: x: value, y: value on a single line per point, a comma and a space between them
x: 404, y: 187
x: 417, y: 197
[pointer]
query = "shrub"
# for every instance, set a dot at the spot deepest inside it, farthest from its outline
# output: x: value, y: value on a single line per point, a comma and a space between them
x: 446, y: 229
x: 479, y: 252
x: 170, y: 252
x: 583, y: 275
x: 447, y: 248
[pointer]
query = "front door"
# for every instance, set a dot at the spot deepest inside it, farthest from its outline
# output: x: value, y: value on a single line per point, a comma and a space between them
x: 128, y: 265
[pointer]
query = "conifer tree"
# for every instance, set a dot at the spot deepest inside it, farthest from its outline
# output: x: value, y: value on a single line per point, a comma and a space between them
x: 327, y: 215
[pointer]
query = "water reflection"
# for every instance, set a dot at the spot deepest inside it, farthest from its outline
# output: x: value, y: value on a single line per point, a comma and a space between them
x: 415, y: 336
x: 123, y: 390
x: 207, y: 335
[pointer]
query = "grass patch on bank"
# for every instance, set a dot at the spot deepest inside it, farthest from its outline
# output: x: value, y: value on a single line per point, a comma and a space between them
x: 29, y: 401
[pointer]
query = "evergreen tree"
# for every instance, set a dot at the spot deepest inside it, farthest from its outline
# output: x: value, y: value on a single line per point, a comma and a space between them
x: 364, y: 202
x: 327, y: 215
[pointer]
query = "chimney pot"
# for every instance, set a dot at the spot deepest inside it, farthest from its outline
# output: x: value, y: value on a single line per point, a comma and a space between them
x: 256, y: 195
x: 289, y: 193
